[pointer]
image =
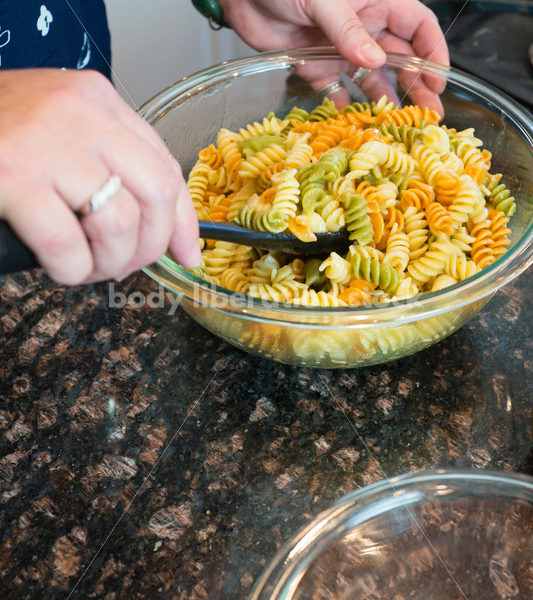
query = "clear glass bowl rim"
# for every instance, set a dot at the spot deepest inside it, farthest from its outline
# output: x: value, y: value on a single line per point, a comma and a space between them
x: 289, y: 555
x: 484, y: 283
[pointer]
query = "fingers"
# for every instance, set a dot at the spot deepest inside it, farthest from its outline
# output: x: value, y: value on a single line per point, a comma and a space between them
x: 157, y: 186
x: 414, y: 83
x: 183, y: 243
x: 340, y: 97
x: 136, y: 124
x: 41, y: 110
x: 414, y: 22
x: 84, y: 175
x: 344, y: 29
x: 377, y: 84
x: 50, y: 229
x: 134, y: 151
x: 321, y: 73
x: 113, y: 232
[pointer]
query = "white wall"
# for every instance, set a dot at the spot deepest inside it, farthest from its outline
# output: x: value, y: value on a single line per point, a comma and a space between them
x: 157, y: 42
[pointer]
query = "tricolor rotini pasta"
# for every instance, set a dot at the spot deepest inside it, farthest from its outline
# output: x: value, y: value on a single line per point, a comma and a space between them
x: 422, y: 208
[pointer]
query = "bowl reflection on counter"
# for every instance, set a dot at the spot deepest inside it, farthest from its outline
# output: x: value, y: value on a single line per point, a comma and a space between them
x: 188, y: 116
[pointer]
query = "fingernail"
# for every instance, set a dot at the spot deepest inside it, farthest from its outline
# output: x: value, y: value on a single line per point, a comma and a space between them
x: 437, y: 108
x: 196, y: 256
x: 372, y: 53
x: 124, y: 275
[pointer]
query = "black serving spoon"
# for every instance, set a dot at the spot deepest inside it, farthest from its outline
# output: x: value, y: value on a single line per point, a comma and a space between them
x: 15, y: 256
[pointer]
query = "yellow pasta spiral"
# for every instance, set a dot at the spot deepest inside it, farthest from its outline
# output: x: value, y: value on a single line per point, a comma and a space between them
x: 278, y: 291
x: 468, y: 201
x: 429, y: 162
x: 336, y: 268
x: 254, y: 165
x: 332, y: 213
x: 269, y: 126
x: 234, y: 279
x: 442, y: 281
x: 198, y: 181
x: 299, y: 155
x: 436, y: 139
x: 227, y: 143
x: 469, y: 154
x: 312, y: 298
x: 397, y: 253
x: 432, y: 263
x: 220, y: 258
x: 416, y: 228
x: 220, y: 179
x: 367, y: 157
x: 462, y: 240
x: 459, y: 267
x: 287, y: 193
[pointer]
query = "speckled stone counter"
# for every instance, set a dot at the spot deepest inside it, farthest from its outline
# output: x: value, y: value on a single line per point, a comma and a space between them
x: 141, y: 457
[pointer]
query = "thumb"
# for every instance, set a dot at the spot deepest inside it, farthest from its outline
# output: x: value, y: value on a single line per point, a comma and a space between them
x: 343, y: 28
x: 183, y: 244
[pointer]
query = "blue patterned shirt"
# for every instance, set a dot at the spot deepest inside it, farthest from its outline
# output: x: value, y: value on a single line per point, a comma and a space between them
x: 71, y: 34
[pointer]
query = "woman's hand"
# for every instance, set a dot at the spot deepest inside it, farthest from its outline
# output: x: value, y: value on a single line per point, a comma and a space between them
x: 63, y: 134
x: 360, y: 29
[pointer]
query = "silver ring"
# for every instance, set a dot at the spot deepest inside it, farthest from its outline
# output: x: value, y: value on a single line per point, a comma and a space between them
x: 331, y: 88
x: 214, y: 25
x: 102, y: 196
x: 360, y: 74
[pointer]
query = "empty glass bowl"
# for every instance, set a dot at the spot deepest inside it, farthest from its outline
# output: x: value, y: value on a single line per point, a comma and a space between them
x: 188, y: 116
x: 441, y: 535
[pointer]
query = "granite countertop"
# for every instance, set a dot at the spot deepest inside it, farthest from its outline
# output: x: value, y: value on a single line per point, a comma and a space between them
x: 141, y: 457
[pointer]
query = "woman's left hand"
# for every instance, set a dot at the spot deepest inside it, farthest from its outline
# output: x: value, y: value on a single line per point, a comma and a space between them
x: 361, y: 30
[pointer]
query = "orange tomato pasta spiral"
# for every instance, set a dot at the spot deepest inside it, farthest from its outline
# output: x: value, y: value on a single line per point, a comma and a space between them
x: 219, y: 208
x: 412, y: 116
x: 499, y: 232
x: 439, y: 219
x: 228, y: 146
x: 482, y: 253
x: 446, y: 187
x: 265, y: 178
x: 211, y: 156
x: 418, y: 195
x: 329, y: 137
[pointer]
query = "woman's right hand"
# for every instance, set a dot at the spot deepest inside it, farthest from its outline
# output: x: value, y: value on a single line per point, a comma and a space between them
x: 63, y: 134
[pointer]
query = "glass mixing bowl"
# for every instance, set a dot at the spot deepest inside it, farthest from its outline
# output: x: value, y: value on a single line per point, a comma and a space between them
x: 188, y: 116
x: 441, y: 535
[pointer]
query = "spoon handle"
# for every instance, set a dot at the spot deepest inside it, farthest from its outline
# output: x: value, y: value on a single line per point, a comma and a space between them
x: 14, y: 255
x: 229, y: 232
